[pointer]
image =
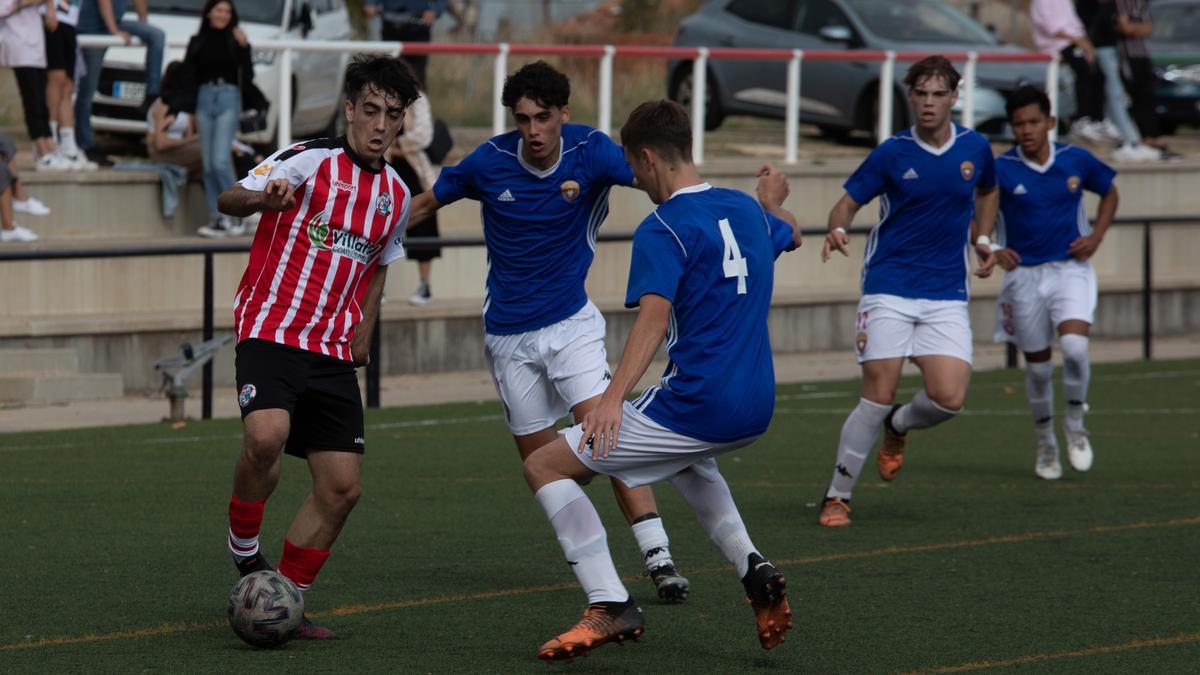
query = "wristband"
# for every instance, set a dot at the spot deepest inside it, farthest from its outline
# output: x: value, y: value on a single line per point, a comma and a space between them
x: 984, y: 240
x: 840, y: 229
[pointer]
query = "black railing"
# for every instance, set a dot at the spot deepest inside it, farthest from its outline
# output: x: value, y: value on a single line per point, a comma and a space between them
x: 209, y: 249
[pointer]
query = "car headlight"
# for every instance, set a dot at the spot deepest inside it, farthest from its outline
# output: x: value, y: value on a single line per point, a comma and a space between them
x: 1182, y: 73
x: 263, y: 57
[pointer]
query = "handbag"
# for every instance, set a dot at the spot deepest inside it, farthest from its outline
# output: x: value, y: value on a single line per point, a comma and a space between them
x: 441, y: 144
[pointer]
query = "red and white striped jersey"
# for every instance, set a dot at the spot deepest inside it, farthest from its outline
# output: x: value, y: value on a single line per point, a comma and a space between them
x: 310, y: 265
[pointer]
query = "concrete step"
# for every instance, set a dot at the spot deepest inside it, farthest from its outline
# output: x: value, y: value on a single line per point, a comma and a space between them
x: 60, y: 388
x: 109, y: 203
x: 38, y: 361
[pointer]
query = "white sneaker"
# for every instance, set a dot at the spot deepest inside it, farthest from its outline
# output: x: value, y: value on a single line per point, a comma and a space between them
x: 1047, y: 466
x: 1136, y: 153
x: 233, y: 226
x: 79, y: 161
x: 1087, y: 129
x: 215, y: 229
x: 53, y: 162
x: 33, y: 206
x: 422, y: 296
x: 18, y: 234
x: 1110, y: 130
x: 1079, y: 450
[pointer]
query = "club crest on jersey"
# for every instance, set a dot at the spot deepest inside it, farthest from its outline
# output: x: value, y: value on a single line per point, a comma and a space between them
x: 263, y: 169
x: 570, y: 190
x: 246, y: 395
x: 340, y: 242
x: 968, y: 169
x: 1073, y: 183
x: 383, y: 204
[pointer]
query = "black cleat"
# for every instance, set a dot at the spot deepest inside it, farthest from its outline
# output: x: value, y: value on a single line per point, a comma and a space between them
x: 765, y: 592
x: 671, y: 585
x: 253, y: 563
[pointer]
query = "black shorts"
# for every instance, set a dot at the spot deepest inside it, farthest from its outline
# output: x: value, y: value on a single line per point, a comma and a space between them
x: 60, y: 49
x: 319, y: 392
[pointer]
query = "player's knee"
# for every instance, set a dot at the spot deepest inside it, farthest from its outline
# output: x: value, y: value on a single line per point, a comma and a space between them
x: 340, y: 496
x: 261, y: 450
x: 950, y: 401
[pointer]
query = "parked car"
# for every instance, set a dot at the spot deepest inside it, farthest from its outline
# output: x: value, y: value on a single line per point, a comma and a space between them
x: 316, y: 76
x: 841, y: 97
x: 1175, y: 48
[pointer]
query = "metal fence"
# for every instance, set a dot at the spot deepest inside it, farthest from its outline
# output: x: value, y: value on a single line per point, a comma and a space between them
x: 210, y: 249
x: 607, y: 53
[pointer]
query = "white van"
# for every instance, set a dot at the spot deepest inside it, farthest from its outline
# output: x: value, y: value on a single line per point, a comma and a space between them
x: 316, y: 76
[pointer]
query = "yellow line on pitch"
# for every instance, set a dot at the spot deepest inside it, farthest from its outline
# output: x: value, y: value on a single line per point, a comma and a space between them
x: 1071, y: 654
x: 351, y: 610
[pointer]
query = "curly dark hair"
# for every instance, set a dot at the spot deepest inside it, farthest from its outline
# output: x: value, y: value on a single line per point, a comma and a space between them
x: 932, y: 66
x: 662, y: 126
x: 539, y: 82
x: 386, y: 75
x: 1027, y: 95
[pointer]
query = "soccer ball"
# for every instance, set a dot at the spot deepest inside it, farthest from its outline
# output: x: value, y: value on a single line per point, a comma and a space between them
x: 265, y: 607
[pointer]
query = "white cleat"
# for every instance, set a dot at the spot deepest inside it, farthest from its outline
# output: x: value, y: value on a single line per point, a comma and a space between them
x: 1047, y: 466
x: 1079, y: 450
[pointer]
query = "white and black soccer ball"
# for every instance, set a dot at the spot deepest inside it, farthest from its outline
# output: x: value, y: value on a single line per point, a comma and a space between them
x: 265, y: 608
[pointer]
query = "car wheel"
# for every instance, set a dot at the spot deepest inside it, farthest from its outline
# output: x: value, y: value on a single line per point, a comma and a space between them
x: 681, y: 93
x: 834, y: 133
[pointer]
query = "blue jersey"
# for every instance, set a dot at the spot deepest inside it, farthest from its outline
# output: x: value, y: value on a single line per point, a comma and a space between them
x: 711, y: 252
x: 926, y: 203
x: 540, y: 226
x: 1041, y: 207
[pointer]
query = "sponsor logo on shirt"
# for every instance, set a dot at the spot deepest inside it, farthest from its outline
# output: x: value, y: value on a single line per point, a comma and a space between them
x: 246, y: 395
x: 343, y: 186
x: 1073, y: 183
x: 507, y: 196
x: 340, y: 242
x: 383, y: 204
x: 570, y: 190
x: 968, y: 169
x: 263, y: 169
x: 911, y: 174
x: 1020, y: 189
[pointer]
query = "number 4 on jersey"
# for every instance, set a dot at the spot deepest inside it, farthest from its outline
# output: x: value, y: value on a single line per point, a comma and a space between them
x: 734, y: 264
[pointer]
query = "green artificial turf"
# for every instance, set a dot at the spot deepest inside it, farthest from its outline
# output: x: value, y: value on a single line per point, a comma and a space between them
x: 115, y: 560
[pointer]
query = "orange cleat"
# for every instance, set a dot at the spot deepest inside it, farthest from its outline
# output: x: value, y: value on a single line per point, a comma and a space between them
x: 601, y: 623
x: 765, y: 592
x: 835, y: 512
x: 890, y: 457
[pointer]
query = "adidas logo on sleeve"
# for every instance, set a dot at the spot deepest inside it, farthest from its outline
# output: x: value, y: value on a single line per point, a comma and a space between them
x: 506, y: 196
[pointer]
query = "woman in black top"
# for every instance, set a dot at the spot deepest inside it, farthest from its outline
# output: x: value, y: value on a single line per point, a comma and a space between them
x: 218, y: 65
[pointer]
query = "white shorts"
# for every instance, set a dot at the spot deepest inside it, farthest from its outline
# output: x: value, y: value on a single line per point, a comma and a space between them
x: 542, y: 374
x: 647, y: 452
x: 891, y: 327
x: 1035, y: 300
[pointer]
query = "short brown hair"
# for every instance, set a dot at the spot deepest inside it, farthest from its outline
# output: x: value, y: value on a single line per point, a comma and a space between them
x: 662, y: 126
x: 932, y: 66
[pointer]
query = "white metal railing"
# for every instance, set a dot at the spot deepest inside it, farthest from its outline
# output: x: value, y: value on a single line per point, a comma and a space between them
x: 606, y: 55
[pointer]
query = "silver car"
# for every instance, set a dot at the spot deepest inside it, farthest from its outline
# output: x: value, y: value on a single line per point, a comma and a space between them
x: 841, y: 97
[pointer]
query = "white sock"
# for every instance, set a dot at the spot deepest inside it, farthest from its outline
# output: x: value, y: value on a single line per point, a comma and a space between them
x: 242, y: 548
x: 67, y: 143
x: 921, y: 413
x: 54, y: 130
x: 718, y: 515
x: 583, y: 540
x: 1039, y: 388
x: 652, y: 541
x: 1077, y: 371
x: 858, y: 437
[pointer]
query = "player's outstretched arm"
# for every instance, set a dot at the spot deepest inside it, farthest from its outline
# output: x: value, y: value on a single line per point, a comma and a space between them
x: 360, y: 346
x: 1085, y: 247
x: 237, y: 201
x: 603, y: 424
x: 840, y: 217
x: 423, y: 206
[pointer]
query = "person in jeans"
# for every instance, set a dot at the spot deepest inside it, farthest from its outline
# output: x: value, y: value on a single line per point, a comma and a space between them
x: 10, y: 186
x: 23, y: 48
x: 217, y: 63
x: 103, y: 17
x: 1057, y: 31
x: 1100, y: 19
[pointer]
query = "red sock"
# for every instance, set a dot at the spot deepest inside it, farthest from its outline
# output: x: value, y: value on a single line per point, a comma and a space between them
x: 245, y: 520
x: 301, y: 564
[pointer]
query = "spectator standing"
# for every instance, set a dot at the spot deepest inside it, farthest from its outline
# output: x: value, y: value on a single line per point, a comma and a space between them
x: 23, y: 48
x: 407, y: 156
x: 1057, y: 31
x: 218, y: 64
x: 407, y: 21
x: 10, y: 231
x: 61, y: 65
x: 1133, y: 26
x: 103, y: 17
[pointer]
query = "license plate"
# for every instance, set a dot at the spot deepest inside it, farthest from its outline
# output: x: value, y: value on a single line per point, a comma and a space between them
x: 129, y: 91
